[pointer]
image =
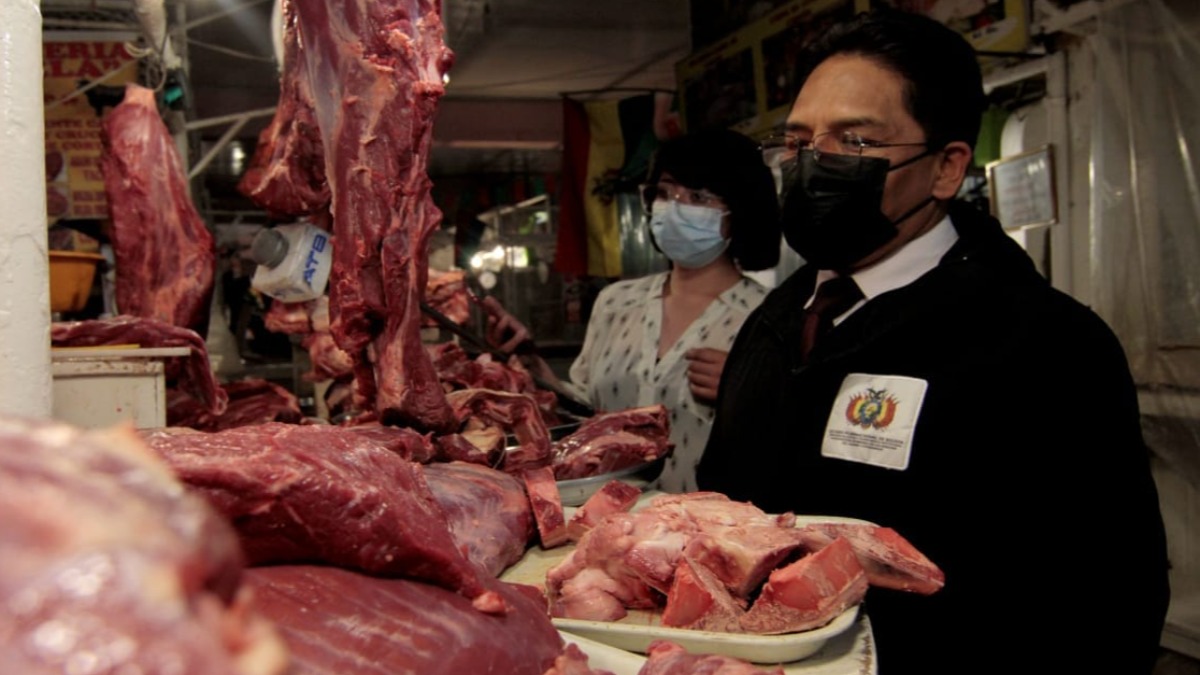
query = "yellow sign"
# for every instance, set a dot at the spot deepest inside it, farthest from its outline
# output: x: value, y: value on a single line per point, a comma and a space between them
x: 74, y: 182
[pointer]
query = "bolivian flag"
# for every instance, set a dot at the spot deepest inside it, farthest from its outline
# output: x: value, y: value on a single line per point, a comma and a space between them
x: 606, y: 148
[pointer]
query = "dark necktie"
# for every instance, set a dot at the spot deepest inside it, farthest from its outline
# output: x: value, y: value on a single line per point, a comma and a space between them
x: 834, y: 298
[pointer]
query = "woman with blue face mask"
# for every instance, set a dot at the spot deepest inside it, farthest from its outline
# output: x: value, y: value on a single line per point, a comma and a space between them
x: 712, y: 210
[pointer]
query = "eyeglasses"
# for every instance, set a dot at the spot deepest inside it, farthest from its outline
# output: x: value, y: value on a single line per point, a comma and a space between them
x: 673, y: 192
x: 781, y: 148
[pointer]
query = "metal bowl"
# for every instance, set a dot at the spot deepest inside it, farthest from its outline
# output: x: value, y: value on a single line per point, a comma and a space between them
x: 576, y: 491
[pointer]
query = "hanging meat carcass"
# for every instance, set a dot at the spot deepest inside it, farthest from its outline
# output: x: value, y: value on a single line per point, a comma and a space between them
x: 164, y: 250
x: 378, y: 68
x: 287, y: 174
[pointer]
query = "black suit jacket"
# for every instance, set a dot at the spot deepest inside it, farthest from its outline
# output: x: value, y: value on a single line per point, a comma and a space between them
x: 1028, y: 481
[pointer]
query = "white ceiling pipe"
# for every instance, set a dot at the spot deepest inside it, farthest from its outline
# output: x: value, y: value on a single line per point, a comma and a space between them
x: 153, y: 17
x: 25, y: 380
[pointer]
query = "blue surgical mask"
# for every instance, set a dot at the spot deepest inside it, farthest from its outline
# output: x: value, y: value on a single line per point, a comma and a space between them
x: 688, y: 234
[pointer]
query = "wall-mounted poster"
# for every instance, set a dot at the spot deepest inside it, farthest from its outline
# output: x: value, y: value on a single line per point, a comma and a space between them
x: 74, y: 182
x: 722, y: 93
x: 747, y: 80
x: 1021, y: 189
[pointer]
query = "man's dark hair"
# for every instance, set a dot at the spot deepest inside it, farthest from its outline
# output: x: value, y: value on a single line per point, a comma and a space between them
x: 729, y: 165
x: 944, y: 91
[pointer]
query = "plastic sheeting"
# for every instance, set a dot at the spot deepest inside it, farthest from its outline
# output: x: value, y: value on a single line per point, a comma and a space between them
x: 1145, y: 215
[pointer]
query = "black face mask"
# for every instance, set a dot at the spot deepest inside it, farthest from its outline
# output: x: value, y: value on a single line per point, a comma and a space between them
x: 831, y: 211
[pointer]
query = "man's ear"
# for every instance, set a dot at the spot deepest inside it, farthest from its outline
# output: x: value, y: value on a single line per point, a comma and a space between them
x: 952, y: 170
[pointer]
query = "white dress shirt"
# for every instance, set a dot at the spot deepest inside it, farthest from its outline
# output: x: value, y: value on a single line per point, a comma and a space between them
x: 899, y: 269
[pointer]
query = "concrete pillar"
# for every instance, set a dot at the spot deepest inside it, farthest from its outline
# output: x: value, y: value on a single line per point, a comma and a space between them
x: 25, y: 380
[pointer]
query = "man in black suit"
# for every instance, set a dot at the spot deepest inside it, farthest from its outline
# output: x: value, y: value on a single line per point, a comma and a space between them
x: 919, y: 373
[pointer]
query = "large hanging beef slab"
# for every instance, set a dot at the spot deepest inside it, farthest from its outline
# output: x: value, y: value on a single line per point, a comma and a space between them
x: 376, y: 69
x: 164, y: 250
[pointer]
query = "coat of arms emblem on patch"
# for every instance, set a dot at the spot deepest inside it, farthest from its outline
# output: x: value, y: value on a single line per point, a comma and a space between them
x: 872, y: 408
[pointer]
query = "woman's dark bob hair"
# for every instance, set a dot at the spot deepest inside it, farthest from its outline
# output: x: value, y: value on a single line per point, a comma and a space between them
x: 729, y: 165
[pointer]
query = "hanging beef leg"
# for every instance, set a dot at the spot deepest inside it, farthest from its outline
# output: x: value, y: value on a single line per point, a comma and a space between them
x: 376, y: 68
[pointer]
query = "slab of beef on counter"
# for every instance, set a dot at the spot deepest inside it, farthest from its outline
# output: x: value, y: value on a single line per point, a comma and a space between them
x: 110, y: 565
x: 193, y: 375
x: 338, y: 622
x: 323, y: 494
x: 487, y: 510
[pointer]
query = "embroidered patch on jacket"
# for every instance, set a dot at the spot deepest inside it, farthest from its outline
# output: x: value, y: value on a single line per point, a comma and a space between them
x: 873, y: 420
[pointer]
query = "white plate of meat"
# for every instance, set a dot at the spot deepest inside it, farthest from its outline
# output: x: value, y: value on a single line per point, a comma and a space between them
x: 720, y: 577
x: 633, y: 635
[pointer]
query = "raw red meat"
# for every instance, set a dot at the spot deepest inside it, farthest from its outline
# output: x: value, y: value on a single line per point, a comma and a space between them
x: 409, y: 444
x: 632, y: 557
x: 319, y: 493
x: 613, y: 441
x: 547, y: 506
x: 808, y: 593
x: 698, y: 600
x: 477, y: 446
x: 311, y: 320
x: 574, y: 662
x: 287, y: 173
x: 613, y: 497
x: 447, y: 355
x: 487, y: 510
x: 328, y: 360
x: 251, y: 401
x: 889, y: 559
x: 337, y: 622
x: 742, y: 556
x: 592, y: 595
x: 457, y: 370
x: 193, y: 374
x: 668, y: 658
x: 290, y: 318
x: 109, y: 564
x: 515, y: 413
x: 378, y: 66
x: 164, y: 251
x: 447, y: 293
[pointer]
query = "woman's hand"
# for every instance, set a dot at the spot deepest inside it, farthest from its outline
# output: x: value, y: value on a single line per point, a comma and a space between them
x: 504, y: 332
x: 704, y: 372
